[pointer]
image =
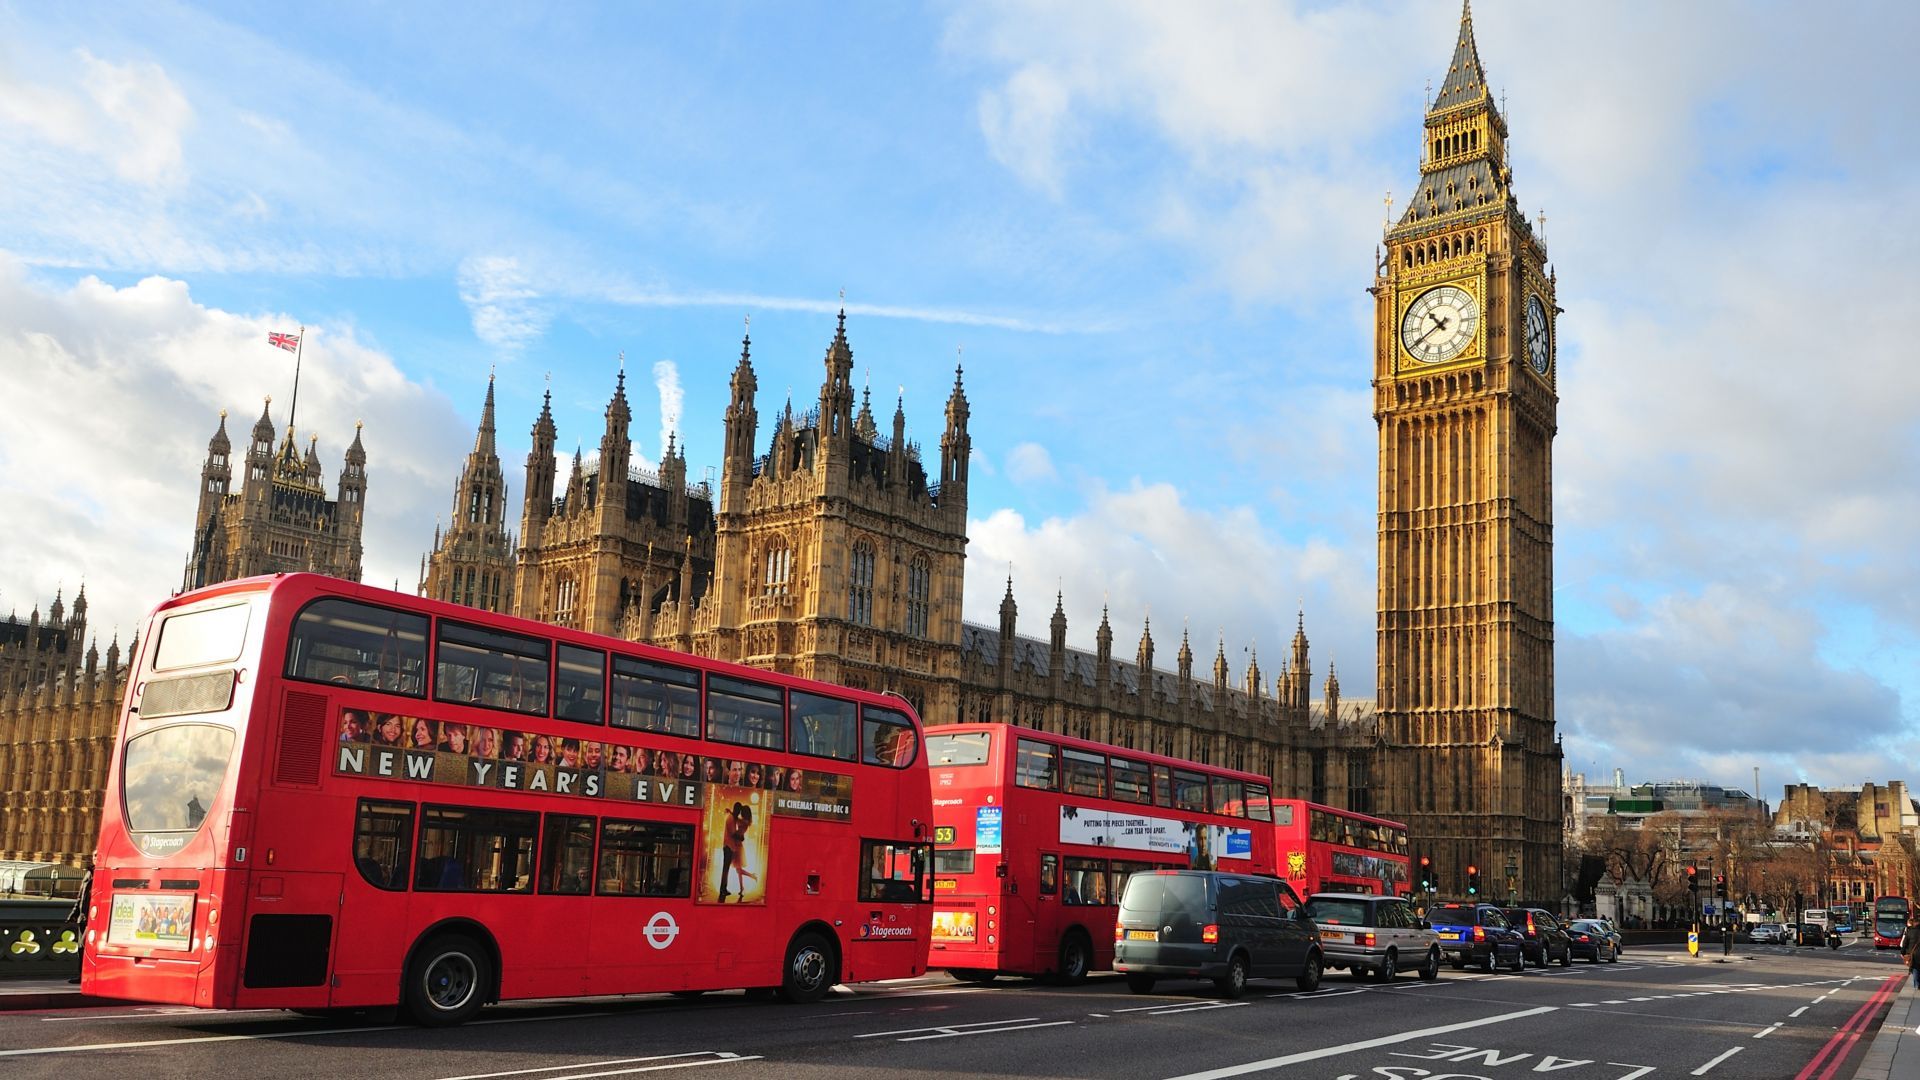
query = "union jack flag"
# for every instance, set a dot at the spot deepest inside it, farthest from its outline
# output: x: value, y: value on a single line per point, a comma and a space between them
x: 289, y: 342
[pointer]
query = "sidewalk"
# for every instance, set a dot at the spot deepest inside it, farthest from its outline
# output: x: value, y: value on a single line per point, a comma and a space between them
x: 19, y: 994
x: 1894, y: 1053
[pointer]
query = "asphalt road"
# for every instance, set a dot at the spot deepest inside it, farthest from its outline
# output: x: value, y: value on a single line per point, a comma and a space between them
x: 1656, y: 1014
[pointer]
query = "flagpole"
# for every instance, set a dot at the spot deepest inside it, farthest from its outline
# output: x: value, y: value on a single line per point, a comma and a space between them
x: 298, y: 343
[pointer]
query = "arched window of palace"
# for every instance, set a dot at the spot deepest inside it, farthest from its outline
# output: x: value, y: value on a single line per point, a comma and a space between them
x: 860, y: 586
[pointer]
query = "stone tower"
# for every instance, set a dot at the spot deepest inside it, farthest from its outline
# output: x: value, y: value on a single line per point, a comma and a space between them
x: 837, y: 557
x: 281, y: 520
x: 1464, y: 397
x: 619, y: 542
x: 472, y: 562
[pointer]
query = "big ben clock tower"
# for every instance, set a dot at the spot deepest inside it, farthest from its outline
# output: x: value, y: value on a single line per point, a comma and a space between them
x: 1464, y: 395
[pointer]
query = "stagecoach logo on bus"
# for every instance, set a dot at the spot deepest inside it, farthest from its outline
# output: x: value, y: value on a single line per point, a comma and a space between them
x: 1144, y: 832
x: 395, y: 747
x: 877, y: 931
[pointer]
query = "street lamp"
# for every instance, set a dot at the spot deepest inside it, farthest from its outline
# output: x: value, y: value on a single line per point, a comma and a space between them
x: 1513, y: 871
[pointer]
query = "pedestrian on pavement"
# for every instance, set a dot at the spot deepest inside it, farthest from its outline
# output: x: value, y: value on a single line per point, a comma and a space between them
x: 1913, y: 959
x: 77, y: 915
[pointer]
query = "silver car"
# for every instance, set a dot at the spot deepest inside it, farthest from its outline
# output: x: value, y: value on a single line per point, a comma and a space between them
x: 1768, y: 933
x: 1374, y: 936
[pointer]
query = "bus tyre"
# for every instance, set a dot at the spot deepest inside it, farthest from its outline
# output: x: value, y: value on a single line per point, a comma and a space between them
x: 1234, y: 982
x: 1309, y: 979
x: 1430, y: 970
x: 1140, y: 984
x: 447, y: 981
x: 1076, y: 959
x: 809, y: 971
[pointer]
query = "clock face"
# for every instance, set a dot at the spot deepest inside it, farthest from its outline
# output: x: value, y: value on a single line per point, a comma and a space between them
x: 1539, y: 349
x: 1440, y: 324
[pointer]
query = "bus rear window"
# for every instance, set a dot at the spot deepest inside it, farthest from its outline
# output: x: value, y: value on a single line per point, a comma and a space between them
x: 889, y: 738
x: 340, y: 641
x: 970, y: 748
x: 194, y: 638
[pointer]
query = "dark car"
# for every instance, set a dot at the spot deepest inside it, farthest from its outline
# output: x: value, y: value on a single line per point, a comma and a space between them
x: 1590, y: 939
x: 1205, y: 924
x: 1811, y: 934
x: 1542, y: 939
x: 1477, y: 935
x: 1373, y: 936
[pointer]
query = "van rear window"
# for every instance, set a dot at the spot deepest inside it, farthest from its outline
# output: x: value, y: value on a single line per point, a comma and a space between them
x: 1156, y: 895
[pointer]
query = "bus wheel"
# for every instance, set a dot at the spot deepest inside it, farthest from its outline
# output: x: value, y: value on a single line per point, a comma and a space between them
x: 980, y: 976
x: 447, y: 981
x: 1076, y: 959
x: 809, y: 971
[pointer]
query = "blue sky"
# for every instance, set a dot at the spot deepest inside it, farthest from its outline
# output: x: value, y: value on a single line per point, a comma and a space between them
x: 1147, y: 226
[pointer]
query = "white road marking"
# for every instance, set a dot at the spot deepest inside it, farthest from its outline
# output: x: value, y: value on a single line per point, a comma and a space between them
x: 151, y: 1013
x: 1364, y: 1044
x: 195, y: 1039
x: 1767, y: 1032
x: 1702, y: 1070
x: 1313, y: 995
x: 729, y: 1059
x: 951, y: 1031
x: 1798, y: 1011
x: 1162, y: 1005
x: 597, y: 1064
x: 1182, y: 1010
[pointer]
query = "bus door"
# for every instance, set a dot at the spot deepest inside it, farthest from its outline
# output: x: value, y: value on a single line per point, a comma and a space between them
x: 292, y: 928
x: 1040, y: 903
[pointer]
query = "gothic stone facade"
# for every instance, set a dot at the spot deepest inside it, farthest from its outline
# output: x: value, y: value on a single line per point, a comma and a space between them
x: 58, y: 712
x: 281, y: 520
x: 472, y: 562
x: 1465, y: 400
x: 836, y: 555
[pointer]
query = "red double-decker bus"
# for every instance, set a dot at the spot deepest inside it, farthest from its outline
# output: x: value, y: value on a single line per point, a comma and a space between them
x: 1036, y: 834
x: 325, y: 796
x: 1325, y: 849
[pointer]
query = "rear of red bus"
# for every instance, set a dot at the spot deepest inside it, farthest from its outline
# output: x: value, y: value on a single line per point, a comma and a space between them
x: 173, y: 863
x: 972, y: 936
x: 1326, y: 849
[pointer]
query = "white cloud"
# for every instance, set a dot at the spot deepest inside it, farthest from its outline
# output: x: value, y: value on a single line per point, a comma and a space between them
x: 1022, y: 122
x: 1143, y: 549
x: 131, y: 116
x: 502, y: 302
x: 1029, y: 463
x: 673, y: 400
x: 99, y: 471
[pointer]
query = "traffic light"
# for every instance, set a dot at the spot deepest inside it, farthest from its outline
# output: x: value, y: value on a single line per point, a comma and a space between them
x: 1473, y: 880
x: 1720, y: 886
x: 1426, y: 874
x: 1693, y: 877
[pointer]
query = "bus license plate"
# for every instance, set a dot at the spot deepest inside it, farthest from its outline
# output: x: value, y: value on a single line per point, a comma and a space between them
x: 1143, y: 935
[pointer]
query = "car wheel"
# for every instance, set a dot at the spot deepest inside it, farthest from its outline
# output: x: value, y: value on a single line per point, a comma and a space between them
x: 1493, y: 960
x: 1234, y: 982
x: 447, y: 981
x: 1140, y: 984
x: 1613, y: 956
x: 1566, y: 956
x: 1539, y: 961
x: 1595, y: 958
x: 1309, y: 979
x: 1076, y: 959
x: 809, y: 971
x: 1389, y: 967
x: 1431, y: 969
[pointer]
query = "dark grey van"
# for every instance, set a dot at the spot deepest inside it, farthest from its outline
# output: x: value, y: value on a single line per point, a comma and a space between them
x: 1205, y: 924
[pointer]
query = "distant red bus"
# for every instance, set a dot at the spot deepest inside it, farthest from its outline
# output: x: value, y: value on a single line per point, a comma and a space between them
x: 1036, y: 834
x: 326, y: 796
x: 1324, y: 849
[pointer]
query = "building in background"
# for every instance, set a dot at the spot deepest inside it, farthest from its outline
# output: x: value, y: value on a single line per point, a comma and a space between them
x: 59, y: 706
x: 280, y: 521
x: 472, y: 561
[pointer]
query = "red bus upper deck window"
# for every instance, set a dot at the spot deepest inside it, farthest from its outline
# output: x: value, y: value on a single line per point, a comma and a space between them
x: 374, y: 648
x: 746, y: 713
x: 823, y: 726
x: 960, y: 749
x: 1131, y: 782
x: 656, y: 697
x: 1189, y: 790
x: 1086, y: 773
x: 579, y: 684
x: 491, y: 668
x: 207, y: 636
x: 1034, y: 765
x: 890, y: 738
x: 1228, y: 797
x: 1259, y: 802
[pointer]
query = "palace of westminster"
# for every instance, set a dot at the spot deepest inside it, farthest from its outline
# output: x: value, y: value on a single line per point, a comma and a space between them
x: 835, y: 549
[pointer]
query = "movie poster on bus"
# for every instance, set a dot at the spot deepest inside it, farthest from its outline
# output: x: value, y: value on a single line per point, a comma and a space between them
x: 811, y: 794
x: 734, y: 843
